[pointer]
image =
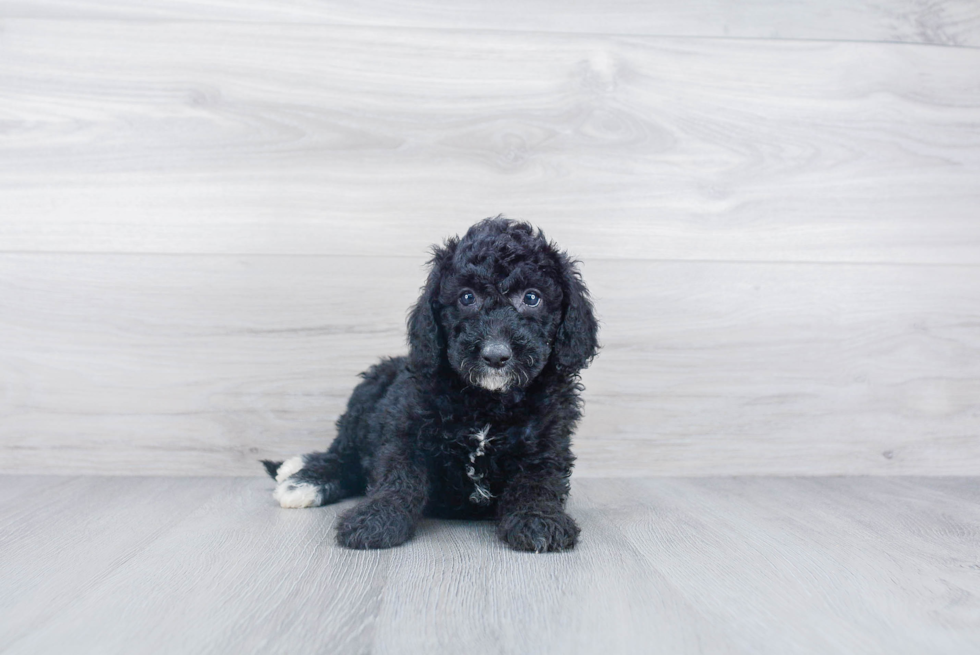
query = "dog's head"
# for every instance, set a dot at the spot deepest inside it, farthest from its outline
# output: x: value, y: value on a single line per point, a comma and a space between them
x: 500, y: 306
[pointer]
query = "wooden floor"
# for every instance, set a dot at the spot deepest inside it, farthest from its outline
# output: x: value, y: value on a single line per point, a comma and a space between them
x: 668, y: 565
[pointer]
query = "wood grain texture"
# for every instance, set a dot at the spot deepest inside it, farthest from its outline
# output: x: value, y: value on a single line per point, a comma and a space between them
x: 221, y: 137
x: 944, y: 22
x: 669, y: 565
x: 214, y: 214
x: 200, y: 365
x: 42, y: 570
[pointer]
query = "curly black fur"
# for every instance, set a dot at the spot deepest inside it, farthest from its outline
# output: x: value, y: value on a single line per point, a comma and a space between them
x: 476, y: 421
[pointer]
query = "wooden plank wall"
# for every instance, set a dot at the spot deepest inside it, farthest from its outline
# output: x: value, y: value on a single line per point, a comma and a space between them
x: 213, y: 215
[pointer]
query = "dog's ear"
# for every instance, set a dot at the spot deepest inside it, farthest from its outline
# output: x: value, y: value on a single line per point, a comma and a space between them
x: 577, y: 341
x: 426, y: 343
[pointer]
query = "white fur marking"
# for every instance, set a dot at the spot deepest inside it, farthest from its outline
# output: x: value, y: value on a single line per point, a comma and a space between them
x: 481, y: 495
x: 290, y: 466
x: 494, y: 381
x: 480, y: 436
x: 294, y: 495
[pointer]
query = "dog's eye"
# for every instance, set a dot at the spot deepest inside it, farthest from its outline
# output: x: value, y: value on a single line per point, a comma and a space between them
x: 531, y: 298
x: 467, y: 298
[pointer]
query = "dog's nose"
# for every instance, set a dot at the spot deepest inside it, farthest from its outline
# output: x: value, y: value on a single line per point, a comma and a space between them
x: 496, y: 354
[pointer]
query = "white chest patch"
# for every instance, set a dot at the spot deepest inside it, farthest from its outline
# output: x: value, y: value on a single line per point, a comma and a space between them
x: 481, y: 494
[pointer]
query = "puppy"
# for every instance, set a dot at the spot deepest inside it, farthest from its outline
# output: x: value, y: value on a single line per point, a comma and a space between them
x: 476, y: 421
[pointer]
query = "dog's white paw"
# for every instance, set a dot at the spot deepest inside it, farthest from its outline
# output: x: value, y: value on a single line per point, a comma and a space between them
x: 290, y: 466
x: 296, y: 495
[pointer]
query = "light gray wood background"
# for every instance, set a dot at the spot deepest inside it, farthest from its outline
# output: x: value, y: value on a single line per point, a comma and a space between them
x: 710, y: 565
x: 213, y: 215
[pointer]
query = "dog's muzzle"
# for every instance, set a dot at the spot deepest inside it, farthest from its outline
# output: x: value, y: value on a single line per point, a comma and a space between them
x: 495, y: 373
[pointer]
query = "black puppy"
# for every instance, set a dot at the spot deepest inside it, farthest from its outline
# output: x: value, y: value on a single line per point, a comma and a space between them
x: 476, y: 421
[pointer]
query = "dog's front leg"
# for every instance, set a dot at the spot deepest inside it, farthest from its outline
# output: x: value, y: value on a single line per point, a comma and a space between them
x: 393, y: 507
x: 532, y: 512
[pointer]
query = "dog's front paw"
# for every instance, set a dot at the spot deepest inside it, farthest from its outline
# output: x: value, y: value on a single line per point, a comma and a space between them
x: 538, y: 531
x: 374, y: 524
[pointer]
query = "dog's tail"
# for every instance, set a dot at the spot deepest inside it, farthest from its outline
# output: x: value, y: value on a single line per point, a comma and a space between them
x: 271, y: 467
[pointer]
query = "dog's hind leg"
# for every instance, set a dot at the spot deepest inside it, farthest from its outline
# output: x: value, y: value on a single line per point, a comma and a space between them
x: 318, y: 479
x: 315, y: 479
